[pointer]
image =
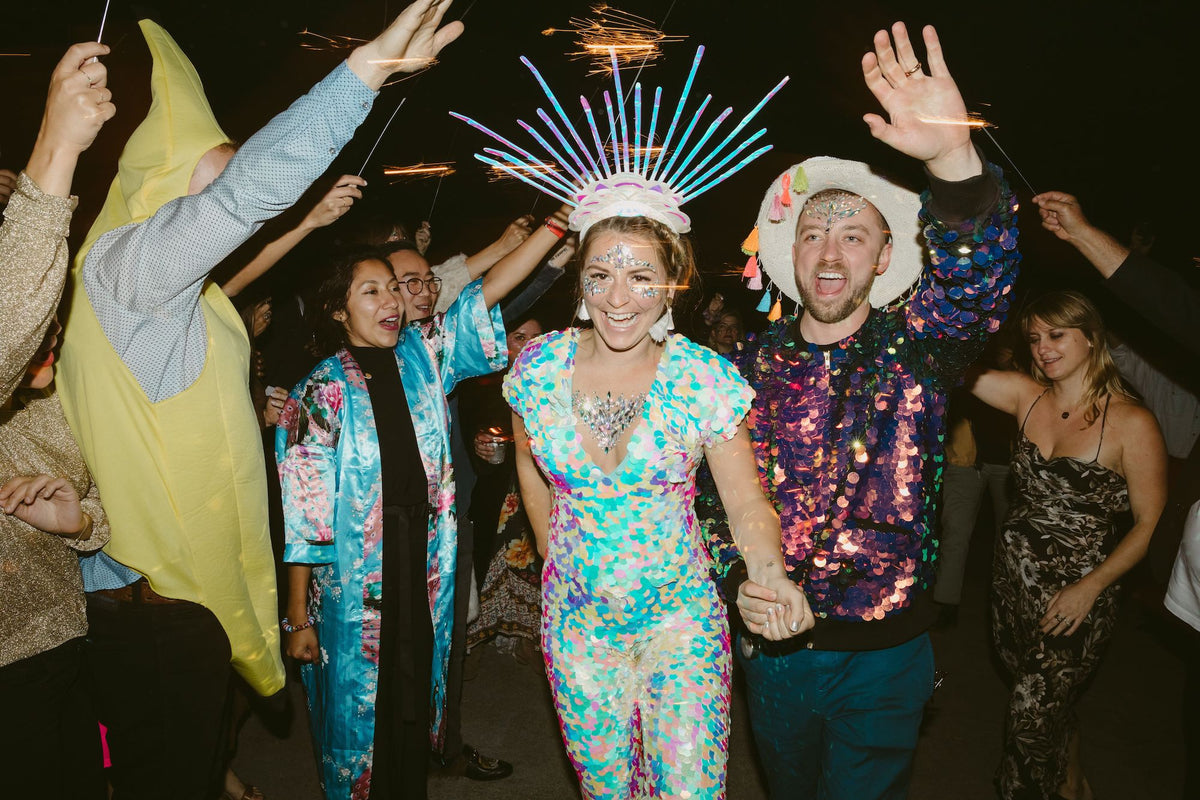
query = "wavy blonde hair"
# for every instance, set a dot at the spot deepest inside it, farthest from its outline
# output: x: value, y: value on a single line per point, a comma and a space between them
x: 1073, y: 310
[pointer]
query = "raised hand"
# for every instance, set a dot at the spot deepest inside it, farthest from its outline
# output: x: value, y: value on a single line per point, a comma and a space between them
x: 47, y: 503
x: 1062, y: 215
x: 8, y: 182
x: 336, y: 202
x: 926, y: 113
x: 409, y: 44
x: 77, y: 106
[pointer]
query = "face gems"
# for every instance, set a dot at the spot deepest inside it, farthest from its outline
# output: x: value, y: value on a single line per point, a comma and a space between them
x: 620, y: 256
x: 607, y: 417
x: 592, y: 287
x: 833, y: 205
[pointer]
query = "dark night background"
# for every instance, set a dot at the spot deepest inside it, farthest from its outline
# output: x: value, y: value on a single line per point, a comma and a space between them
x: 1092, y: 98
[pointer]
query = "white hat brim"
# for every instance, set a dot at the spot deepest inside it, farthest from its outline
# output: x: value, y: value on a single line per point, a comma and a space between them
x: 899, y: 206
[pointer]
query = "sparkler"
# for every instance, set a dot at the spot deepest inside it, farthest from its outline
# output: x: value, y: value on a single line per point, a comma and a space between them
x: 976, y: 121
x: 103, y: 19
x: 14, y: 55
x: 631, y: 37
x: 323, y: 43
x: 416, y: 172
x: 543, y: 167
x: 381, y: 133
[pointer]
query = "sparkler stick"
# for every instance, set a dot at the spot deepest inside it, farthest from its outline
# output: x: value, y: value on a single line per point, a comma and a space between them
x: 687, y: 88
x: 421, y: 170
x: 381, y: 133
x: 1010, y: 161
x: 103, y: 19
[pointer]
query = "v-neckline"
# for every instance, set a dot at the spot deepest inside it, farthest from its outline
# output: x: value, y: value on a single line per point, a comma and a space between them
x: 638, y: 424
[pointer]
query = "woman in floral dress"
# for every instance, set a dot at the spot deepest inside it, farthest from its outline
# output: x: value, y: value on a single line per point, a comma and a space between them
x: 1086, y: 449
x: 610, y: 425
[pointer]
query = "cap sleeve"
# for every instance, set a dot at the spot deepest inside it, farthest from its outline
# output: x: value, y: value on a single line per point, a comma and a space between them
x: 722, y: 397
x: 529, y: 372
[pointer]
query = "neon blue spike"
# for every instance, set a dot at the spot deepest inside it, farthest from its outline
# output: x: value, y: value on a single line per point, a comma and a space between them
x: 550, y: 178
x: 554, y: 154
x: 687, y: 88
x: 637, y: 127
x: 667, y: 175
x: 491, y: 162
x: 683, y: 139
x: 727, y: 173
x: 764, y: 305
x: 567, y: 145
x: 612, y: 130
x: 587, y: 110
x: 624, y: 143
x: 684, y: 188
x: 737, y: 129
x: 484, y: 129
x: 559, y: 109
x: 650, y: 133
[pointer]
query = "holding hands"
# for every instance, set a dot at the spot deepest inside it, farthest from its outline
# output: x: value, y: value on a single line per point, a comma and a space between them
x: 926, y: 113
x: 775, y: 609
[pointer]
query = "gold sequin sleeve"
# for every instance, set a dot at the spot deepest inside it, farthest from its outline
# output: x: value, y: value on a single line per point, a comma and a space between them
x: 33, y: 268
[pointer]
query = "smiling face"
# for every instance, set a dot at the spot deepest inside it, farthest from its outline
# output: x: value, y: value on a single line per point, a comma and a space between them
x: 1058, y: 352
x: 841, y: 245
x: 624, y: 287
x: 372, y: 314
x: 409, y: 265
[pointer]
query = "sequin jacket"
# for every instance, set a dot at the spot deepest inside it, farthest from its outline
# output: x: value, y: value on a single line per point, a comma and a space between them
x: 849, y: 437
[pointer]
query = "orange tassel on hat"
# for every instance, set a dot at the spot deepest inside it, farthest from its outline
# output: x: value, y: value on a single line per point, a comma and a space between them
x: 750, y: 246
x: 776, y: 311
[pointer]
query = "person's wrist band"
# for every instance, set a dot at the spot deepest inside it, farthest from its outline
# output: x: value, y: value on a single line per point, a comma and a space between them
x: 290, y: 628
x: 555, y: 227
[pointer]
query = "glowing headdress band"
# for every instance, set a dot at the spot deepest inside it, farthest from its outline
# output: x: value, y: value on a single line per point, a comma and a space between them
x: 632, y: 180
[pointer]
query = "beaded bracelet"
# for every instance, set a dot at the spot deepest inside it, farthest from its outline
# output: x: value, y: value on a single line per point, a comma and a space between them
x: 290, y: 628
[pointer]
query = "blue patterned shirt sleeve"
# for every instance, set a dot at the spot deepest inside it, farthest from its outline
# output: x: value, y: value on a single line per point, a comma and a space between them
x: 144, y: 279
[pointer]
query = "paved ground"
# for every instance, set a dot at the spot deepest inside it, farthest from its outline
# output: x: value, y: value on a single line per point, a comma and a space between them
x: 1130, y: 718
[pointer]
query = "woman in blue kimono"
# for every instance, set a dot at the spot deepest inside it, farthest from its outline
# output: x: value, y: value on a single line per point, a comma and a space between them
x: 370, y: 524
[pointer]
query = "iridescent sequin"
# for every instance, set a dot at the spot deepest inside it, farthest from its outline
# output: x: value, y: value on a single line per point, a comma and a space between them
x: 849, y: 438
x: 634, y: 634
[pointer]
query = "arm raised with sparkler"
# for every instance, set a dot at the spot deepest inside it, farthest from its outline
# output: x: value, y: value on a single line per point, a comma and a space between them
x: 409, y: 44
x: 918, y: 106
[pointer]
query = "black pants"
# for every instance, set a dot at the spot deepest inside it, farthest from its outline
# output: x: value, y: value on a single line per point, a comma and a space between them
x: 400, y: 765
x: 49, y: 740
x: 162, y: 678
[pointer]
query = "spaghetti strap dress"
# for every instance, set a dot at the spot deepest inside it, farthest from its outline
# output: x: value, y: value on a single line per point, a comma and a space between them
x: 1059, y: 528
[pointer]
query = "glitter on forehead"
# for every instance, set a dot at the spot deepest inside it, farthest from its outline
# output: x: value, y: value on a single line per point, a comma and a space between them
x: 620, y: 256
x: 834, y: 206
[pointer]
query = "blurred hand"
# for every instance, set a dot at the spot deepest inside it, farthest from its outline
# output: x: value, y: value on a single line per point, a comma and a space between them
x: 336, y: 202
x: 79, y: 101
x: 516, y: 233
x: 8, y: 184
x: 47, y: 503
x: 275, y: 402
x: 303, y: 645
x: 423, y: 236
x: 409, y: 44
x: 910, y: 98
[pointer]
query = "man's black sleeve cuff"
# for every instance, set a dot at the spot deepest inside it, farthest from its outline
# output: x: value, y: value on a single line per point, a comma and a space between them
x: 954, y: 202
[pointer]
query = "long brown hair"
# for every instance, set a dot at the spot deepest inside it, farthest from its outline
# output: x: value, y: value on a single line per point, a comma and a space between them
x: 1073, y: 310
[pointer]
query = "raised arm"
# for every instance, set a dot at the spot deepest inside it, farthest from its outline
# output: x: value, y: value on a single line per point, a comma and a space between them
x: 1062, y: 216
x: 1144, y: 465
x: 328, y: 210
x: 781, y: 610
x: 516, y: 266
x: 513, y: 236
x: 1003, y: 390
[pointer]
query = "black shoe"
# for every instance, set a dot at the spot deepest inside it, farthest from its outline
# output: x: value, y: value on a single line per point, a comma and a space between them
x: 483, y: 768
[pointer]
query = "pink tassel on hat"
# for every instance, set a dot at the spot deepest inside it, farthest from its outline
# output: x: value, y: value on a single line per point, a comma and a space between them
x: 751, y: 269
x: 755, y: 283
x: 777, y: 213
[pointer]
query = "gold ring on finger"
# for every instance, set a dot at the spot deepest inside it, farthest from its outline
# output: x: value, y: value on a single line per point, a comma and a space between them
x: 909, y: 73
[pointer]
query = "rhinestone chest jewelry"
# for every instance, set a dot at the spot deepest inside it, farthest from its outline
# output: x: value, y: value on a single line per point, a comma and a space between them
x: 607, y: 417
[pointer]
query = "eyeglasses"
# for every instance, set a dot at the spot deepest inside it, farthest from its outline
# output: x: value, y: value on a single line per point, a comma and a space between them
x: 434, y: 285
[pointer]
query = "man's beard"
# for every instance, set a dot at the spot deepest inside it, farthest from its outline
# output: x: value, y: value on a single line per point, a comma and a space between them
x: 822, y: 311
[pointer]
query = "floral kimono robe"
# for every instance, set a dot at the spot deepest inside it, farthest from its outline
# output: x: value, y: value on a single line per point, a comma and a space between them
x: 330, y: 470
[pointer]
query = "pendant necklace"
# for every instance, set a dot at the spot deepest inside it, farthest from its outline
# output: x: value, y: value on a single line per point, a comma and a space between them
x: 607, y: 417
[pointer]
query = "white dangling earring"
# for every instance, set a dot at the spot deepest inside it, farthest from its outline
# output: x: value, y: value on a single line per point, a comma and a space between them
x: 582, y: 313
x: 660, y: 329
